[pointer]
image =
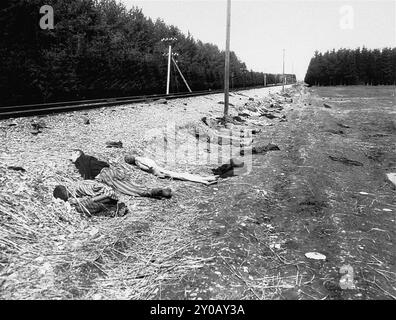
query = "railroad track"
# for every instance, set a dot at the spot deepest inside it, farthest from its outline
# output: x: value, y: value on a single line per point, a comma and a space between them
x: 57, y: 107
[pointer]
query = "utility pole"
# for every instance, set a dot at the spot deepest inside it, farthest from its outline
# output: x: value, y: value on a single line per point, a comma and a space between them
x: 265, y: 79
x: 227, y: 61
x: 283, y: 72
x: 168, y: 40
x: 169, y: 65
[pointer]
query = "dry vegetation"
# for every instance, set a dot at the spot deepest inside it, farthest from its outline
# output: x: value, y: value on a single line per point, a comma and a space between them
x: 47, y: 250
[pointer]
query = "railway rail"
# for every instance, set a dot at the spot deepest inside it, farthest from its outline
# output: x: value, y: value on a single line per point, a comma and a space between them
x: 57, y: 107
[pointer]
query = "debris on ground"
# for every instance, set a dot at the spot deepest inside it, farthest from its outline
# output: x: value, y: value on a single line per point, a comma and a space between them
x: 35, y: 132
x: 346, y: 161
x: 222, y: 102
x: 392, y: 177
x: 315, y: 256
x: 113, y: 144
x: 251, y: 108
x: 276, y: 106
x: 211, y: 123
x: 285, y: 94
x: 85, y: 120
x: 15, y: 168
x: 161, y: 101
x: 262, y: 149
x: 266, y: 148
x: 343, y: 125
x: 258, y: 149
x: 220, y: 121
x: 269, y: 115
x: 229, y: 169
x: 238, y: 119
x: 38, y: 125
x: 335, y: 131
x: 326, y: 105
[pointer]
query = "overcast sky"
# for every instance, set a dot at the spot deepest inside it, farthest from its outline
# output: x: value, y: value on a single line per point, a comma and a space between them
x: 260, y: 29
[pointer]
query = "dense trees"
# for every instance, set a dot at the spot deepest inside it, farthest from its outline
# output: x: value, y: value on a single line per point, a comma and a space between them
x: 348, y: 67
x: 98, y: 48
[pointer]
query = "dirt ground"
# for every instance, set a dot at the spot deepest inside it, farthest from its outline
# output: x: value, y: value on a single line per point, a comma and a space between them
x: 299, y: 200
x: 244, y: 238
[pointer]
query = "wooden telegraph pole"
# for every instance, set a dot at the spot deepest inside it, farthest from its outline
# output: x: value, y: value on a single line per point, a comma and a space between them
x: 169, y: 41
x: 169, y: 66
x: 227, y: 62
x: 283, y: 72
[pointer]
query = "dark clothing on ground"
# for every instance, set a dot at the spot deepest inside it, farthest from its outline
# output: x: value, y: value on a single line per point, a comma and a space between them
x: 235, y: 167
x: 262, y: 149
x: 89, y: 167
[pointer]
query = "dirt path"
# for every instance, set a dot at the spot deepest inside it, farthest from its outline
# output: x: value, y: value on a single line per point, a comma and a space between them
x: 258, y: 227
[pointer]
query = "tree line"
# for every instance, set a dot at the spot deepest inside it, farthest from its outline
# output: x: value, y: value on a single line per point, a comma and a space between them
x: 352, y: 67
x: 100, y: 49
